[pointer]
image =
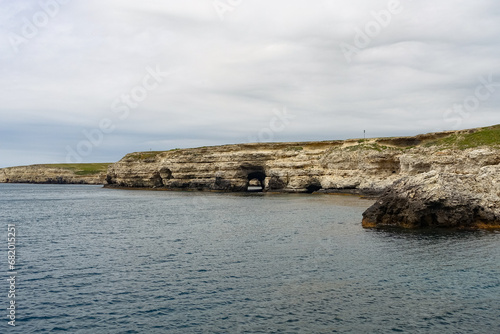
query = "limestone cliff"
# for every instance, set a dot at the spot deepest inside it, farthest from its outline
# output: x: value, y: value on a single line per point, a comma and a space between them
x: 55, y: 174
x: 358, y: 166
x: 440, y: 199
x: 446, y: 179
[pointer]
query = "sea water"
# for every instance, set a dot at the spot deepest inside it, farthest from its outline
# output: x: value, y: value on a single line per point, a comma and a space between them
x: 95, y: 260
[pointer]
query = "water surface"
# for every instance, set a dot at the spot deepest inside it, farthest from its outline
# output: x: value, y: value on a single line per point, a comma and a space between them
x: 94, y: 260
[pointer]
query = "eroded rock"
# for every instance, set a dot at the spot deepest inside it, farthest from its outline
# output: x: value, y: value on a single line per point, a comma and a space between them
x: 440, y: 199
x: 347, y: 167
x: 49, y: 175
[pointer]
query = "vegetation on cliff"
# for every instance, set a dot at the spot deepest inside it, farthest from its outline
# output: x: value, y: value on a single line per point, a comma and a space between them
x: 81, y: 169
x: 86, y: 173
x: 489, y: 136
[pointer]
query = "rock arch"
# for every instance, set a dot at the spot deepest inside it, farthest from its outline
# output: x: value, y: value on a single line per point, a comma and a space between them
x: 260, y: 176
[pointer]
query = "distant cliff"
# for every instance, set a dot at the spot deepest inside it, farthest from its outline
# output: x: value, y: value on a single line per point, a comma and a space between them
x: 356, y: 166
x: 55, y: 174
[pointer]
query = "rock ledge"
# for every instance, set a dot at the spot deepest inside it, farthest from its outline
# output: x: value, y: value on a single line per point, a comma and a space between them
x: 439, y: 199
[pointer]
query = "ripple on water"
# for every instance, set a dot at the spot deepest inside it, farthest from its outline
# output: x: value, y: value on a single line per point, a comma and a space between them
x: 95, y: 260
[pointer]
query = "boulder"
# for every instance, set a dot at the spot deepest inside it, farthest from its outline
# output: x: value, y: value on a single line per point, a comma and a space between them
x: 440, y: 199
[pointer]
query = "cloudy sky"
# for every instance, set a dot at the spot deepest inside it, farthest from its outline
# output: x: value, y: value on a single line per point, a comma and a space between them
x: 93, y: 80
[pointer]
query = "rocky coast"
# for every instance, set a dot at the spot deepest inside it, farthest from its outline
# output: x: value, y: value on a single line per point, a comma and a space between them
x: 55, y: 174
x: 434, y: 199
x: 445, y: 179
x: 356, y: 166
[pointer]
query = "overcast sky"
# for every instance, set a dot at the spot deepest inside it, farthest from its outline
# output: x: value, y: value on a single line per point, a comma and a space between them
x: 93, y: 80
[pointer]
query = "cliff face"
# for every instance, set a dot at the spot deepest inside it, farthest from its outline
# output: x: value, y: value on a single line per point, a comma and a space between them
x: 289, y: 167
x: 49, y: 174
x: 440, y: 199
x: 447, y: 179
x: 366, y: 167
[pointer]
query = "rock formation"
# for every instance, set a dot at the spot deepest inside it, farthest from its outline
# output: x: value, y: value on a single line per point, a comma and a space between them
x: 286, y: 167
x: 440, y: 199
x: 446, y: 179
x: 49, y: 174
x: 356, y: 166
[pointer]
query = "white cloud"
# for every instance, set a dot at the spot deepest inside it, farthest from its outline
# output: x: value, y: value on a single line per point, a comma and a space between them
x: 231, y: 73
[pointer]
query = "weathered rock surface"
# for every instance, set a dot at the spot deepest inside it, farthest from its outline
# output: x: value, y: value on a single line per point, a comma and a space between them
x: 288, y: 167
x: 334, y: 166
x: 447, y: 179
x: 48, y: 174
x: 440, y: 199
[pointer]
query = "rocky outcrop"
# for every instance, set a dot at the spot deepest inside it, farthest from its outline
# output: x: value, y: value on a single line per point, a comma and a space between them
x: 287, y: 167
x: 333, y: 166
x: 440, y: 199
x: 50, y: 175
x: 447, y: 179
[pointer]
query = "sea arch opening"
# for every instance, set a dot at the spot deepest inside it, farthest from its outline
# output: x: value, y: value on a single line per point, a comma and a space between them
x: 256, y: 181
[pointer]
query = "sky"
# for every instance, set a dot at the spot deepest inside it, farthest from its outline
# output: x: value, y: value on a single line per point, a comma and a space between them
x: 89, y: 81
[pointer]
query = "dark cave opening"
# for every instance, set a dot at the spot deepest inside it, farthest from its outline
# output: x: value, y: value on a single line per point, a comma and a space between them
x: 256, y: 182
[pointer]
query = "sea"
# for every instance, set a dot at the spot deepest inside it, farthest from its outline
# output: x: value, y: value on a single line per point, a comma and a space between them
x: 95, y: 260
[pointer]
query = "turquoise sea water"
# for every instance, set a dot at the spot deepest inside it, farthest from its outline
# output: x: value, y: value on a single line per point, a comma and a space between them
x: 94, y: 260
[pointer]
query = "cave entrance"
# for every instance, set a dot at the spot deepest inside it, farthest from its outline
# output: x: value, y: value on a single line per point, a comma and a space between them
x: 312, y: 188
x: 256, y: 182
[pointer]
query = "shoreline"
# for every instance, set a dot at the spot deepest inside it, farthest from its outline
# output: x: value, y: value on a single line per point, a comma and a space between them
x: 447, y: 179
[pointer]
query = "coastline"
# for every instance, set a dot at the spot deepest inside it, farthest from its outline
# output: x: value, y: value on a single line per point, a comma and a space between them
x: 56, y: 174
x: 430, y: 180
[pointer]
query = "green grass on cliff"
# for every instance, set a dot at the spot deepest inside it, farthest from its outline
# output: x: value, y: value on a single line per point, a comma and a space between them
x: 489, y: 136
x: 82, y: 169
x: 143, y: 155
